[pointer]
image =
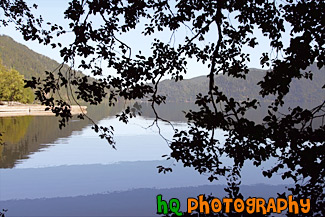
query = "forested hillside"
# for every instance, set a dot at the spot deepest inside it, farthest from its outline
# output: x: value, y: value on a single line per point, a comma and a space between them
x: 30, y: 63
x: 302, y: 90
x: 27, y: 62
x: 19, y: 57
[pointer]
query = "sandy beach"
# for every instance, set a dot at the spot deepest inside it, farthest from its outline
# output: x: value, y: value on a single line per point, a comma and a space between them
x: 34, y: 110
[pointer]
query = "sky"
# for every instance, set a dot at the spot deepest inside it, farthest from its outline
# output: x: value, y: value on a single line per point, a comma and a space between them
x: 53, y: 11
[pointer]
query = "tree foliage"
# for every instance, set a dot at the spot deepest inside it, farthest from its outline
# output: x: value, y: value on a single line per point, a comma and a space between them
x: 290, y: 137
x: 12, y: 86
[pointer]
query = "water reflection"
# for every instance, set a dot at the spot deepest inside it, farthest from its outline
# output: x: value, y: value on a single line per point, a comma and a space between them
x: 134, y: 142
x: 73, y: 162
x: 27, y: 135
x: 14, y: 129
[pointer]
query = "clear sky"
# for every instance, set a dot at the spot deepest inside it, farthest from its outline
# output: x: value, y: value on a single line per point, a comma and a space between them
x: 52, y: 10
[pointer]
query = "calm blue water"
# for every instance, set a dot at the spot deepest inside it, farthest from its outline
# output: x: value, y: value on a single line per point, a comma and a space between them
x: 80, y: 168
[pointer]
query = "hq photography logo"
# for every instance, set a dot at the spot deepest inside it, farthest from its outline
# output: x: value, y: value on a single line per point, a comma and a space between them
x: 227, y: 205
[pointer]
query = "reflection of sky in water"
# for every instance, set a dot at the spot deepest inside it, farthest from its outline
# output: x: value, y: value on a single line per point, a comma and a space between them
x: 134, y: 142
x: 84, y: 164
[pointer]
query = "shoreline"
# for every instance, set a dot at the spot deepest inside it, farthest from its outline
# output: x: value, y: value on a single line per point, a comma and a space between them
x: 34, y: 110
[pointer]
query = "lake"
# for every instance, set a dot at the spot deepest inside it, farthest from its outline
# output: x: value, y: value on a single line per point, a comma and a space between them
x: 46, y: 171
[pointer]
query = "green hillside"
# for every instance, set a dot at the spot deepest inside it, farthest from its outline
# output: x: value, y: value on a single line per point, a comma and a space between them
x: 302, y: 90
x: 21, y: 58
x: 29, y: 63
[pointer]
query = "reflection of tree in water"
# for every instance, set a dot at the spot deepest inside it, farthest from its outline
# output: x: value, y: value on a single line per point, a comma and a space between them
x: 1, y: 145
x: 26, y: 134
x: 14, y: 131
x: 14, y: 128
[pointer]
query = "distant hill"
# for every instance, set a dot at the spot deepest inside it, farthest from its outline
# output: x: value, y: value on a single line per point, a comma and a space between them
x: 20, y: 57
x: 302, y: 90
x: 26, y: 61
x: 30, y: 63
